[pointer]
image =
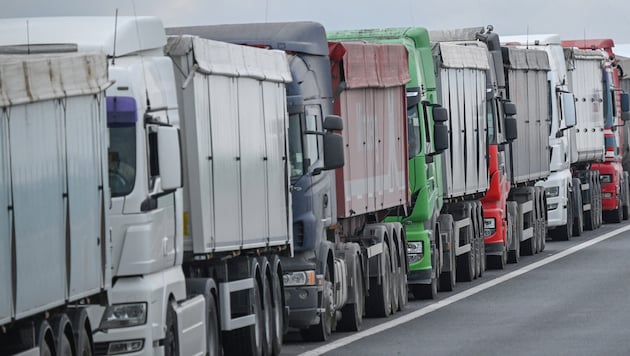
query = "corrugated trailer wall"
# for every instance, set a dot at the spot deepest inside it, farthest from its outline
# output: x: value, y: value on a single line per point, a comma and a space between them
x: 373, y: 107
x: 52, y: 179
x: 528, y: 89
x: 236, y: 191
x: 585, y: 81
x: 462, y: 88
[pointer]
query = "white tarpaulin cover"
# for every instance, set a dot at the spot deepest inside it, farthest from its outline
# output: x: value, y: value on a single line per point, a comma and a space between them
x: 214, y: 57
x: 25, y: 79
x: 521, y: 58
x: 460, y: 56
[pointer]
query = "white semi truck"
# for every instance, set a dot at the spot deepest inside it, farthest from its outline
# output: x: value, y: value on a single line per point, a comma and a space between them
x: 55, y: 250
x: 198, y: 216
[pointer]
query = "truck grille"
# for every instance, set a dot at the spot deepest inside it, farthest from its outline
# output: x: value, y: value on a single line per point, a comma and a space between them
x: 100, y: 348
x: 298, y: 234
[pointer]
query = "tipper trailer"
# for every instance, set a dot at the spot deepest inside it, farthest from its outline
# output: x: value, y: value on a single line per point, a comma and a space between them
x: 514, y: 207
x: 193, y: 263
x: 615, y: 197
x: 427, y: 136
x: 345, y: 254
x: 571, y: 188
x: 55, y: 248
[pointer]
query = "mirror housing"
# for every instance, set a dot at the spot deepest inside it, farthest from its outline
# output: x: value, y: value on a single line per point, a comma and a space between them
x: 333, y: 123
x: 333, y: 151
x: 511, y: 127
x: 509, y: 108
x: 625, y: 106
x: 568, y: 109
x: 440, y: 114
x: 440, y: 137
x: 169, y: 157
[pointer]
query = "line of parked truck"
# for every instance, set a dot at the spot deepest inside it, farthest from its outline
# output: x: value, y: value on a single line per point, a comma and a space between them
x: 201, y: 190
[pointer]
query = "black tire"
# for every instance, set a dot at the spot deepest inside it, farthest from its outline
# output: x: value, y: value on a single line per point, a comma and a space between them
x: 578, y: 211
x: 247, y: 340
x: 352, y: 314
x: 616, y: 215
x: 482, y: 243
x: 378, y: 303
x: 82, y: 333
x: 322, y: 330
x: 403, y: 293
x: 427, y: 291
x: 267, y: 314
x: 448, y: 279
x: 278, y: 313
x: 466, y: 262
x: 64, y: 343
x: 45, y: 341
x: 214, y: 341
x: 498, y: 261
x: 44, y: 350
x: 393, y: 297
x: 514, y: 255
x: 564, y: 233
x: 171, y: 337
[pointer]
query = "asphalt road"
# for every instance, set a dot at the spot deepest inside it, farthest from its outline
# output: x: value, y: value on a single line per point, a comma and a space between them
x: 571, y: 299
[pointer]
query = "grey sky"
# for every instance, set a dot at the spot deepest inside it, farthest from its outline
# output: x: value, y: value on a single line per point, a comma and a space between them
x: 572, y: 19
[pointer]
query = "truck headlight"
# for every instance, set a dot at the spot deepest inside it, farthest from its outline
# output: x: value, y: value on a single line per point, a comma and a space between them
x: 301, y: 278
x: 489, y: 226
x: 415, y: 251
x: 124, y: 315
x: 605, y: 178
x: 552, y: 192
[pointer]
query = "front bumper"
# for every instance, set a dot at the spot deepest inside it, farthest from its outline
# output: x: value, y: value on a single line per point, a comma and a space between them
x: 494, y: 249
x: 558, y: 216
x: 303, y: 304
x: 154, y: 289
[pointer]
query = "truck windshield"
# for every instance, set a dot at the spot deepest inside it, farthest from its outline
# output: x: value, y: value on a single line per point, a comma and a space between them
x: 413, y: 131
x: 296, y: 156
x: 121, y: 121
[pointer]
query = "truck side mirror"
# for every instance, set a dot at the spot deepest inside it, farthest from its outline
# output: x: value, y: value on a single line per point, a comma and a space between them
x: 509, y: 108
x: 333, y: 151
x: 169, y: 157
x: 333, y: 123
x: 440, y: 114
x: 568, y: 109
x: 625, y: 106
x: 511, y: 131
x: 440, y: 137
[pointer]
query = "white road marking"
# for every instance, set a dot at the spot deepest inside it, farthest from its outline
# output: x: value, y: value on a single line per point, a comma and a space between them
x: 459, y: 296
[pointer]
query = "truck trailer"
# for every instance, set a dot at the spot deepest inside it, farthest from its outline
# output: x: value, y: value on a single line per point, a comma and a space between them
x: 615, y: 199
x: 572, y: 190
x: 514, y: 207
x: 55, y: 248
x: 345, y: 254
x: 425, y: 134
x: 199, y: 217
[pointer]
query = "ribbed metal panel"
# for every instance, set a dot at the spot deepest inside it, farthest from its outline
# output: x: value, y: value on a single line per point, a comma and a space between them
x: 585, y: 81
